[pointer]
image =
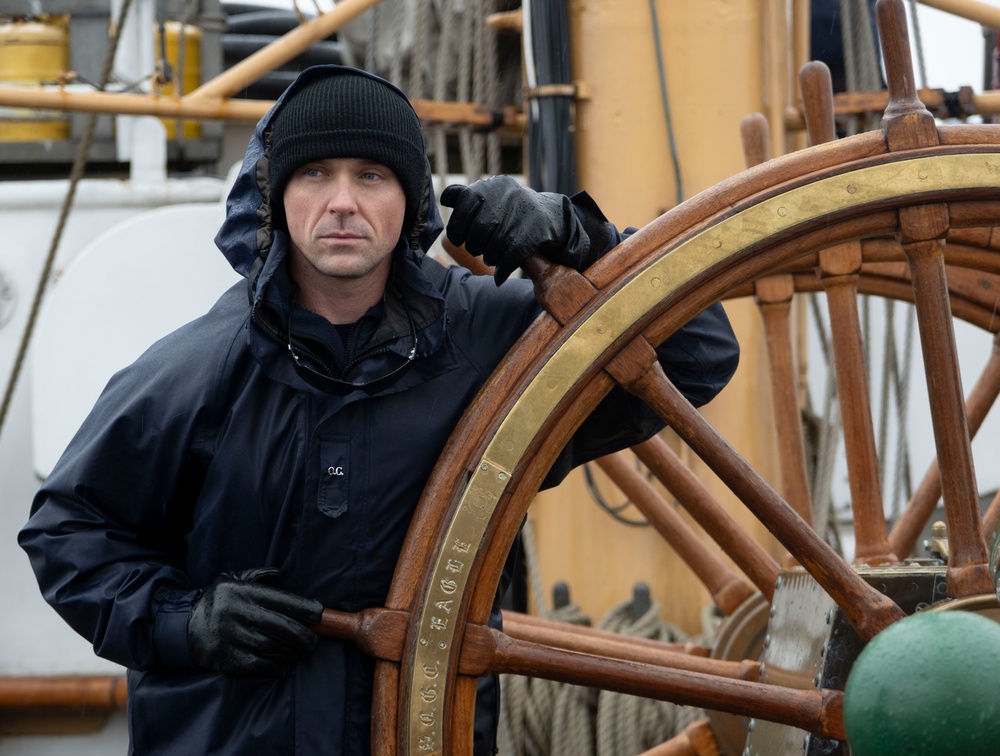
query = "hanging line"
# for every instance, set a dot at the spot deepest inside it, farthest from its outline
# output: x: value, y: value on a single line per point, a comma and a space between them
x: 76, y: 173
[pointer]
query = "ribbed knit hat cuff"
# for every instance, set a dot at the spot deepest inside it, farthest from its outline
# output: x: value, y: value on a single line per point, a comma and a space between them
x: 400, y: 156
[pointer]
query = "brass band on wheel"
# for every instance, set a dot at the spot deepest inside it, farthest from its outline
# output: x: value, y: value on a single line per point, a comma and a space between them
x: 592, y: 337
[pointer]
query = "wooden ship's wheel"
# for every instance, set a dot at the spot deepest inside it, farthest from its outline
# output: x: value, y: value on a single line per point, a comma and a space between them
x: 906, y: 212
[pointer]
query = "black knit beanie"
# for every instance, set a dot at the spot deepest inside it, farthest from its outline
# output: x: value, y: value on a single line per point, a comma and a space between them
x: 347, y: 115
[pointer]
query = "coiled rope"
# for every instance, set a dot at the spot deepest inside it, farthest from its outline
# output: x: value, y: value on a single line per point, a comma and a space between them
x: 627, y: 725
x: 546, y: 718
x: 541, y: 714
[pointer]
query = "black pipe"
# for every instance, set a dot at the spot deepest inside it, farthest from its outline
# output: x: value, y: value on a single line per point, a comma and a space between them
x: 268, y: 87
x: 237, y: 9
x: 273, y: 23
x: 236, y: 47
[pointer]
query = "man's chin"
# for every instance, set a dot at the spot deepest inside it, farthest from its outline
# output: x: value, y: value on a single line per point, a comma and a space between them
x: 347, y: 269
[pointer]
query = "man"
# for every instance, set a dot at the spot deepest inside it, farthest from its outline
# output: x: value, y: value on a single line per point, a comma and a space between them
x: 264, y: 461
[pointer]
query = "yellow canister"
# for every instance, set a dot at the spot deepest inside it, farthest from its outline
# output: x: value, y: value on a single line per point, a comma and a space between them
x: 33, y: 52
x: 187, y: 70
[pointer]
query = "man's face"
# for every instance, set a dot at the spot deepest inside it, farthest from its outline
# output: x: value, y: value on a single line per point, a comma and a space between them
x: 344, y: 218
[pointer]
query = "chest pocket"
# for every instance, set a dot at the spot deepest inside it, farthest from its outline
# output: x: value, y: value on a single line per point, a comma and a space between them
x: 334, y: 475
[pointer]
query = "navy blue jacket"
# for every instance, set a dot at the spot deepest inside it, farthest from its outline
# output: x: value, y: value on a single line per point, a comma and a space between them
x: 212, y: 454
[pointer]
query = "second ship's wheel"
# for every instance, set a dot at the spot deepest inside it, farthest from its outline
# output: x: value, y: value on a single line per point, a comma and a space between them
x: 911, y: 181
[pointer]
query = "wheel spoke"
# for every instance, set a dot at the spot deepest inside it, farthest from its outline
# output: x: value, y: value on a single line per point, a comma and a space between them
x: 838, y: 271
x: 991, y: 520
x: 839, y: 268
x: 595, y: 640
x: 774, y: 301
x: 720, y: 525
x: 488, y: 651
x: 868, y: 610
x: 922, y: 229
x: 575, y: 638
x: 773, y: 295
x: 968, y: 570
x: 697, y: 739
x: 728, y: 590
x: 919, y: 509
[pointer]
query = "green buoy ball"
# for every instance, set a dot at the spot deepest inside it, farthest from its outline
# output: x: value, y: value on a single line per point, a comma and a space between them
x: 929, y: 685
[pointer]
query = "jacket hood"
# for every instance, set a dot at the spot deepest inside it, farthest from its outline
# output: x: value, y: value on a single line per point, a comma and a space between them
x: 247, y: 235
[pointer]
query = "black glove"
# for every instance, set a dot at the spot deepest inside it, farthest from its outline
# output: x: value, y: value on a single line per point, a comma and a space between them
x: 241, y: 625
x: 506, y: 223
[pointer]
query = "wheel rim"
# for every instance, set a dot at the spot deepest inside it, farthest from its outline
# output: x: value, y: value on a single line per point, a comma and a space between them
x: 674, y: 278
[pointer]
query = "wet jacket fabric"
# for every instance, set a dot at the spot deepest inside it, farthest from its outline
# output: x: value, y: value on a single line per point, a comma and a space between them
x: 214, y: 453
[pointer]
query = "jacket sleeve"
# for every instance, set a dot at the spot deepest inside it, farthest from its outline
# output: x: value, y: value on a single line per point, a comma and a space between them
x: 106, y: 532
x: 699, y: 359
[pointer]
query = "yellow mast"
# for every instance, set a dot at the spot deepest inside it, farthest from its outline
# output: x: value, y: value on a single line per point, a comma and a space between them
x: 722, y: 60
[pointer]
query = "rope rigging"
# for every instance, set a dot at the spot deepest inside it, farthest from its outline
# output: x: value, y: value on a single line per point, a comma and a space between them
x: 441, y: 50
x: 76, y: 173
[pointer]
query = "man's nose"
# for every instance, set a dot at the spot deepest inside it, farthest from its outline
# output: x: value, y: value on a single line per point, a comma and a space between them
x: 341, y: 198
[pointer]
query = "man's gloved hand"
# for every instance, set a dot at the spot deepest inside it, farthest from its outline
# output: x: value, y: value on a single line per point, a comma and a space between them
x: 242, y: 625
x: 506, y: 223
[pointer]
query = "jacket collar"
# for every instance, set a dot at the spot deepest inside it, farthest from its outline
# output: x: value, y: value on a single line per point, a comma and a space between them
x: 412, y: 306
